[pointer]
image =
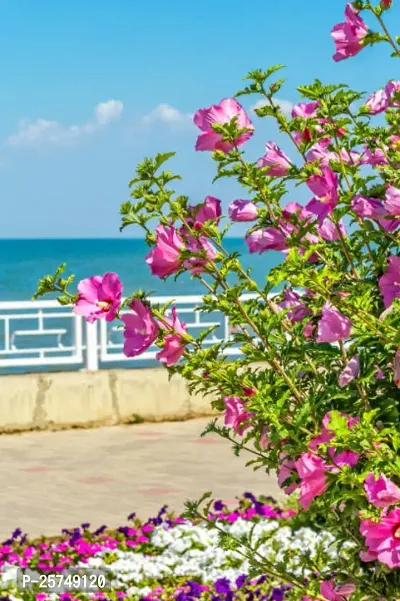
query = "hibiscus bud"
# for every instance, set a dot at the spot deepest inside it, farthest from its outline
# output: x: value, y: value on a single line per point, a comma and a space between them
x: 385, y: 4
x: 249, y: 391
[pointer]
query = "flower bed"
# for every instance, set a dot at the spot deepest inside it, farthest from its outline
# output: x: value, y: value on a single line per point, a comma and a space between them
x: 169, y: 557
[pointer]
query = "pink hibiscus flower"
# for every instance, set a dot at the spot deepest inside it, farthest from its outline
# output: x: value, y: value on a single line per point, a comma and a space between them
x: 99, y: 297
x: 141, y: 329
x: 175, y: 342
x: 349, y: 35
x: 164, y: 258
x: 236, y: 415
x: 383, y: 538
x: 222, y: 113
x: 381, y: 492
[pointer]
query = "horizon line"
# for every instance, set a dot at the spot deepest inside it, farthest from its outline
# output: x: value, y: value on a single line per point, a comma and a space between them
x: 18, y: 239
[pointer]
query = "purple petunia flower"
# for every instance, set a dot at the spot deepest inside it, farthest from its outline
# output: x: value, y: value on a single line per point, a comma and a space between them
x: 241, y: 580
x: 223, y: 586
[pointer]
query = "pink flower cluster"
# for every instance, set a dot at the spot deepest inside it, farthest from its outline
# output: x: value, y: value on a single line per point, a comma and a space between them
x: 100, y: 297
x: 166, y: 256
x: 141, y: 330
x: 311, y: 470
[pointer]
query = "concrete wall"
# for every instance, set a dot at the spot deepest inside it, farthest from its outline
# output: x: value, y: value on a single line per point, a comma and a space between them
x: 84, y: 399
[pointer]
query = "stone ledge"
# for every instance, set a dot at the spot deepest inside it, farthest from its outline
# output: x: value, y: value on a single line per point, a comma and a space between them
x: 62, y: 400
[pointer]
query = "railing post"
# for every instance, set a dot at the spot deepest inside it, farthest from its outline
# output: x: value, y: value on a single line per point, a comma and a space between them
x: 92, y: 357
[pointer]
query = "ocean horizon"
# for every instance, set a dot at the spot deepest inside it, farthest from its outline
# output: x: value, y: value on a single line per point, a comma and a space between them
x: 23, y: 261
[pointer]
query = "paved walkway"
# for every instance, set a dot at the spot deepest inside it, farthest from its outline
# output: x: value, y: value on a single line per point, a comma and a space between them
x: 53, y: 480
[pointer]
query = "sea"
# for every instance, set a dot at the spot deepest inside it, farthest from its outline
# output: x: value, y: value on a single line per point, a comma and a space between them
x: 23, y: 262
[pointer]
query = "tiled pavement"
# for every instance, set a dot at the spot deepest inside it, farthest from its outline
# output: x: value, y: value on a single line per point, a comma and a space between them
x: 53, y: 480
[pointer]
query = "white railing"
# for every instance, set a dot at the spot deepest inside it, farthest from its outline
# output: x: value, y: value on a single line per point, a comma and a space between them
x: 44, y: 334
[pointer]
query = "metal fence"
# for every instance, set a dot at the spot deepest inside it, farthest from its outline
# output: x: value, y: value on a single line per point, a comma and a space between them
x: 43, y: 335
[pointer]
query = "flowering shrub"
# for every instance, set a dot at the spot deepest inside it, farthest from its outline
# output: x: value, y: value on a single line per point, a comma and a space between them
x: 315, y: 395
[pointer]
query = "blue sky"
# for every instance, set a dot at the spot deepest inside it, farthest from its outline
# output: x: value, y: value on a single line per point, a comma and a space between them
x: 90, y: 88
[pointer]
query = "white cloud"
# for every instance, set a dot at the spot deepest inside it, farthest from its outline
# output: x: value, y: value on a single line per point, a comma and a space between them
x: 164, y: 113
x: 285, y: 105
x: 108, y: 111
x: 44, y: 132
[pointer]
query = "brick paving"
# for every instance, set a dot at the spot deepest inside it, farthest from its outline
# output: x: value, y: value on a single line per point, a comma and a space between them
x: 54, y: 480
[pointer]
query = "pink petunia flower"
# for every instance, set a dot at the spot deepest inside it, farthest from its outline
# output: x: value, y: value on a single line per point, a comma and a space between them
x: 350, y: 372
x: 242, y: 210
x: 141, y: 329
x: 333, y: 325
x: 164, y: 258
x: 389, y: 283
x: 99, y: 297
x: 275, y: 160
x: 221, y: 113
x: 383, y: 538
x: 381, y: 492
x: 349, y: 35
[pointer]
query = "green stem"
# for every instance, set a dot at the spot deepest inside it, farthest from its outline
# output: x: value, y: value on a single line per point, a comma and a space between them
x: 385, y: 29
